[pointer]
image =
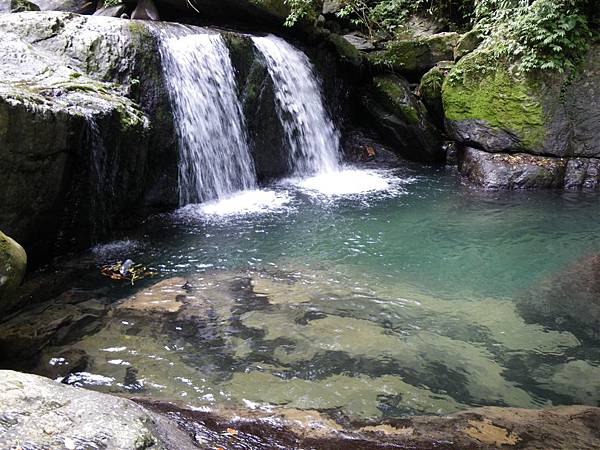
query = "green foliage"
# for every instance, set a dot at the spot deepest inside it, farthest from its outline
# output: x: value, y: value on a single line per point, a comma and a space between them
x: 299, y: 10
x: 533, y: 35
x: 546, y: 35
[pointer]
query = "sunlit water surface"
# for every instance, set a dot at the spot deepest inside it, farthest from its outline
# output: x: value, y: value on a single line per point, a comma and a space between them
x: 364, y: 294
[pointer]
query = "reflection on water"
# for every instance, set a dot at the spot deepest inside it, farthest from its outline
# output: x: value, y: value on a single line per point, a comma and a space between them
x: 364, y: 304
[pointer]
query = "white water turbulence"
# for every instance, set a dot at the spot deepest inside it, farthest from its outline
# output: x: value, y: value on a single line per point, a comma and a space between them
x: 215, y: 158
x: 313, y: 140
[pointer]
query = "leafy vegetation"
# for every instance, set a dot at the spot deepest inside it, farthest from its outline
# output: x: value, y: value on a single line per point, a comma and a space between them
x: 533, y: 35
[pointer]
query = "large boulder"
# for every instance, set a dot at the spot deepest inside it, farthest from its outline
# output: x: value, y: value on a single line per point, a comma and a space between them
x: 402, y: 120
x: 75, y: 145
x: 430, y: 91
x: 511, y: 171
x: 39, y: 413
x: 13, y: 262
x: 491, y: 107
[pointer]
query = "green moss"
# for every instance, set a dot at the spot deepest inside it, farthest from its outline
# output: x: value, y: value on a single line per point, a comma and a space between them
x: 346, y: 52
x: 481, y: 89
x: 400, y: 55
x: 393, y: 95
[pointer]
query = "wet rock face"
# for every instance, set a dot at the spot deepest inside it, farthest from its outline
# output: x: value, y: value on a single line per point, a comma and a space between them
x: 74, y: 147
x: 402, y: 119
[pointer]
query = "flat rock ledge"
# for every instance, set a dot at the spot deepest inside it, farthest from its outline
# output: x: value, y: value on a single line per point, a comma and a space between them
x: 526, y: 171
x: 38, y: 413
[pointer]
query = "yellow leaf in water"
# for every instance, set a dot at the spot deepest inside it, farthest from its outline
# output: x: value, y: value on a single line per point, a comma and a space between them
x: 232, y: 431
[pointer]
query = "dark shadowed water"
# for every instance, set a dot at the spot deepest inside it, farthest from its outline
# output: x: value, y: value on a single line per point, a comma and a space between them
x: 403, y: 298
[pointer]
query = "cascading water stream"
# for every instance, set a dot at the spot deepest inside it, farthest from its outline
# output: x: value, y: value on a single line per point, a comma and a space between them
x: 214, y: 159
x: 313, y: 140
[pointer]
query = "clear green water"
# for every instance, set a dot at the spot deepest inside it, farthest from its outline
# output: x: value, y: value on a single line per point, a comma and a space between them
x: 401, y: 301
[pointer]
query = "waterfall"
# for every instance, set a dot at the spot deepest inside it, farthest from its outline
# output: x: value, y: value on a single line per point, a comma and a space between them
x: 313, y: 140
x: 214, y: 158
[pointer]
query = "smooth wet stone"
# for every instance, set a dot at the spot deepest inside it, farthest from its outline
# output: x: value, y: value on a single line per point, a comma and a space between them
x: 36, y: 412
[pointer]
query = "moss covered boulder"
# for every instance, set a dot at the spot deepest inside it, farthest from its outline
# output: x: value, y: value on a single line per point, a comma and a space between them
x: 402, y: 120
x: 74, y: 146
x: 13, y: 262
x: 488, y: 105
x: 414, y: 57
x: 430, y: 91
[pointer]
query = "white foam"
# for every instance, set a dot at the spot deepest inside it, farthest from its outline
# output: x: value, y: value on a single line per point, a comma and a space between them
x: 250, y: 202
x: 350, y: 183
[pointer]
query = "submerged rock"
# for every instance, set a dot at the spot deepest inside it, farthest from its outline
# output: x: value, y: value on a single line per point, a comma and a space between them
x: 36, y: 412
x: 568, y: 300
x: 13, y: 262
x: 402, y: 119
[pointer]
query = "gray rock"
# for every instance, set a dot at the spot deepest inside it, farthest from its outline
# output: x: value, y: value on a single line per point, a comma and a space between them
x: 81, y: 159
x: 582, y: 173
x: 414, y: 57
x: 511, y: 171
x: 145, y: 10
x: 331, y: 6
x: 359, y: 42
x: 36, y: 412
x: 75, y: 6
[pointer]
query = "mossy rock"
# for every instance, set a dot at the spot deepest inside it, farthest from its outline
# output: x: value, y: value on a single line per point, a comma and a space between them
x: 467, y: 43
x: 414, y: 57
x: 346, y: 52
x: 484, y: 103
x: 490, y: 105
x: 13, y: 263
x: 402, y: 120
x: 430, y: 91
